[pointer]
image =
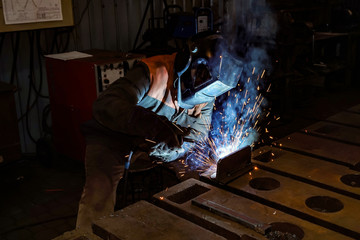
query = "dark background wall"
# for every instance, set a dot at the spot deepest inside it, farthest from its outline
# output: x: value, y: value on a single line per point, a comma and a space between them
x: 99, y: 24
x: 114, y: 24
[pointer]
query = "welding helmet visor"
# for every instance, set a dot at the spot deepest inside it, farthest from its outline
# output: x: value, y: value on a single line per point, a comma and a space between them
x: 202, y: 77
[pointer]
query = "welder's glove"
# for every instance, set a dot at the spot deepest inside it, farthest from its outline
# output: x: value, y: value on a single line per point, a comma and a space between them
x: 140, y: 160
x: 165, y: 153
x: 149, y: 125
x: 180, y: 131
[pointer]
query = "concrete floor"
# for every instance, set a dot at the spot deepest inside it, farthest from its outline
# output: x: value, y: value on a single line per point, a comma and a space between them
x: 39, y: 202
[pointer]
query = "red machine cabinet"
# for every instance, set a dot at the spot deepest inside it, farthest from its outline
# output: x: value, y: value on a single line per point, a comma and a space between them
x: 73, y: 87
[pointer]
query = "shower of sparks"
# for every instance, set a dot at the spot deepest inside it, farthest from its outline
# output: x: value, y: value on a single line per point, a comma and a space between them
x: 235, y: 126
x: 262, y: 75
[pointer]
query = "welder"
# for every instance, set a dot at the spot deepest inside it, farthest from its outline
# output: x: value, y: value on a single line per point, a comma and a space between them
x: 162, y: 101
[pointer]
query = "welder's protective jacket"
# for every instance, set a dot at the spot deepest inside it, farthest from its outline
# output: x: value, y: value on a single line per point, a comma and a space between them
x: 150, y: 84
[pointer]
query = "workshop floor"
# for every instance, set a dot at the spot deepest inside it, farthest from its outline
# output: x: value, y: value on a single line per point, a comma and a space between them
x: 39, y: 202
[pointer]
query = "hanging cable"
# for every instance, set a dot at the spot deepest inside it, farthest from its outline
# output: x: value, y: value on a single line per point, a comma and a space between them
x: 75, y: 32
x: 39, y: 53
x: 62, y: 47
x: 46, y: 129
x: 74, y: 36
x: 83, y: 13
x: 31, y: 75
x: 54, y: 42
x: 15, y: 48
x: 13, y: 77
x: 45, y: 114
x: 28, y: 109
x: 117, y: 33
x: 68, y: 31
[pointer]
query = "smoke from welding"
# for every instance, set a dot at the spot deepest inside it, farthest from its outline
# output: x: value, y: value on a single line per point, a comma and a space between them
x: 249, y: 30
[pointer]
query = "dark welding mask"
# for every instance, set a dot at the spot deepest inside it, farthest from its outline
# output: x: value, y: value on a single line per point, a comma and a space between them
x: 205, y: 70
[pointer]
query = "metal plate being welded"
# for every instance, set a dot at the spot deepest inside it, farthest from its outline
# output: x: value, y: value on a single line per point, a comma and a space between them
x: 234, y: 165
x: 229, y: 167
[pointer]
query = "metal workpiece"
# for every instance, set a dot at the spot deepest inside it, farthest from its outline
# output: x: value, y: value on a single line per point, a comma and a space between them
x: 234, y: 165
x: 345, y: 134
x: 234, y: 216
x: 355, y: 109
x: 320, y: 206
x: 144, y: 220
x: 321, y: 173
x: 231, y: 166
x: 346, y: 118
x: 327, y: 149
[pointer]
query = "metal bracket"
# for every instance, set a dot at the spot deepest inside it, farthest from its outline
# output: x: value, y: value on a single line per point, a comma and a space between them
x: 234, y: 165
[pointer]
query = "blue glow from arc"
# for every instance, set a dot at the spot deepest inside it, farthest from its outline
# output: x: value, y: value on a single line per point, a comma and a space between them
x: 236, y: 116
x: 235, y: 121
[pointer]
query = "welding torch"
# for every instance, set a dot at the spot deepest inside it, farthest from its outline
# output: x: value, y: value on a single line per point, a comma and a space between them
x: 125, y: 177
x: 145, y: 145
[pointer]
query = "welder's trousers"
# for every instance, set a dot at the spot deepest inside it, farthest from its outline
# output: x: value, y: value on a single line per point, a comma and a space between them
x: 104, y: 165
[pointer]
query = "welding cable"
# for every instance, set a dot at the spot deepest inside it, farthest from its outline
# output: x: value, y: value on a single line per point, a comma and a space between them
x: 117, y: 34
x: 54, y: 42
x: 32, y: 84
x: 29, y: 106
x: 74, y: 36
x: 15, y: 49
x: 37, y: 91
x: 14, y: 77
x: 40, y: 49
x: 68, y: 31
x: 38, y: 45
x: 49, y: 36
x: 45, y: 127
x: 31, y: 74
x: 83, y: 13
x: 125, y: 177
x: 141, y: 24
x: 27, y: 110
x: 58, y: 40
x: 78, y: 23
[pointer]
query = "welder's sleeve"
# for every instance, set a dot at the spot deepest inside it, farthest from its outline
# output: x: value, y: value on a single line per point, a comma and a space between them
x: 200, y: 126
x: 113, y: 107
x: 116, y: 109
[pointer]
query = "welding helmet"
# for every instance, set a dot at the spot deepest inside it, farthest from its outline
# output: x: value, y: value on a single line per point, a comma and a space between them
x: 203, y: 70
